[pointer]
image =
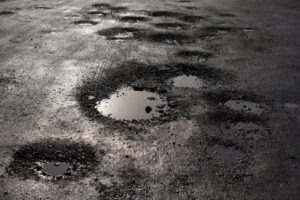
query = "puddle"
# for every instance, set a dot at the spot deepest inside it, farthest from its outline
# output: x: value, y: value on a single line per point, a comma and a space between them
x: 165, y: 14
x: 244, y: 106
x: 188, y: 81
x: 129, y: 104
x: 194, y: 55
x: 85, y: 23
x: 7, y: 13
x: 170, y: 38
x: 225, y: 155
x: 191, y: 18
x: 170, y: 25
x: 120, y: 33
x: 53, y: 160
x: 133, y: 19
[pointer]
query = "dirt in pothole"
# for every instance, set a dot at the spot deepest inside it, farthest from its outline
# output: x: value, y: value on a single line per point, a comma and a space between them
x: 53, y: 160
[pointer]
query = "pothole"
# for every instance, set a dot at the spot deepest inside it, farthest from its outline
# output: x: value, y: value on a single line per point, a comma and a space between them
x: 170, y: 38
x: 191, y: 18
x: 121, y: 33
x: 129, y: 104
x: 244, y: 106
x: 165, y: 14
x: 6, y: 12
x: 170, y: 25
x: 53, y: 160
x: 247, y: 127
x: 101, y: 5
x: 133, y: 19
x: 194, y: 55
x: 97, y: 13
x: 118, y: 9
x: 227, y: 156
x: 85, y: 22
x: 187, y: 81
x: 43, y: 8
x: 53, y: 170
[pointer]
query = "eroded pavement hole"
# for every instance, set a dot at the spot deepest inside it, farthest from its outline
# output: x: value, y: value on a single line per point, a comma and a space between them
x: 97, y: 13
x: 170, y: 38
x: 85, y: 22
x: 129, y: 104
x: 121, y: 33
x: 53, y: 160
x: 165, y: 14
x: 227, y: 156
x: 133, y: 19
x: 188, y: 81
x: 194, y: 55
x: 192, y: 18
x: 7, y: 12
x: 137, y: 91
x: 170, y: 25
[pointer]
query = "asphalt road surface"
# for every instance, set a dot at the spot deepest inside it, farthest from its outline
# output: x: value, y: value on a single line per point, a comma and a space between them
x: 149, y: 99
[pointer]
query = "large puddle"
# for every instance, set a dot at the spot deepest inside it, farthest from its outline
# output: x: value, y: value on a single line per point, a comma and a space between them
x: 129, y: 104
x: 187, y: 81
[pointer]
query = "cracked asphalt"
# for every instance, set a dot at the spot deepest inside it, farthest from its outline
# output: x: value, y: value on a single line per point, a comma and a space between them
x: 234, y: 136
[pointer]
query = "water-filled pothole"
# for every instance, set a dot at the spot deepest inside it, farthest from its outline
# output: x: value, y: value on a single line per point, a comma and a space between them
x: 53, y: 160
x: 133, y: 19
x: 53, y: 170
x: 170, y: 25
x: 191, y: 18
x: 97, y: 13
x: 129, y: 104
x: 101, y: 5
x: 225, y: 155
x: 6, y: 12
x: 85, y: 22
x: 121, y: 33
x: 194, y: 55
x: 170, y: 38
x: 188, y: 81
x: 165, y: 14
x: 244, y: 106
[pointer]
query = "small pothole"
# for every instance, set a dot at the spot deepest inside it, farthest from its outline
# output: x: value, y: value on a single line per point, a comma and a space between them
x: 194, y: 55
x: 244, y: 106
x: 170, y: 38
x: 133, y: 19
x: 170, y: 25
x: 121, y: 33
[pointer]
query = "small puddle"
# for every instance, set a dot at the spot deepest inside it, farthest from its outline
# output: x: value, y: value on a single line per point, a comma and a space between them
x: 55, y: 168
x: 187, y: 81
x: 244, y: 106
x: 129, y: 104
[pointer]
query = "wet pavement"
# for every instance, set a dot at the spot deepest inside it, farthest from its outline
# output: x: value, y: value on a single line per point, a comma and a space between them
x: 149, y: 99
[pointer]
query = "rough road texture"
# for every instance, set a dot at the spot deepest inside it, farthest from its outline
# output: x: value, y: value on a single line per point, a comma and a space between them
x: 235, y: 138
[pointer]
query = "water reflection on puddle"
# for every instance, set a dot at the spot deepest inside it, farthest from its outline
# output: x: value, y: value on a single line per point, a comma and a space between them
x: 128, y: 104
x: 244, y: 106
x: 188, y: 81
